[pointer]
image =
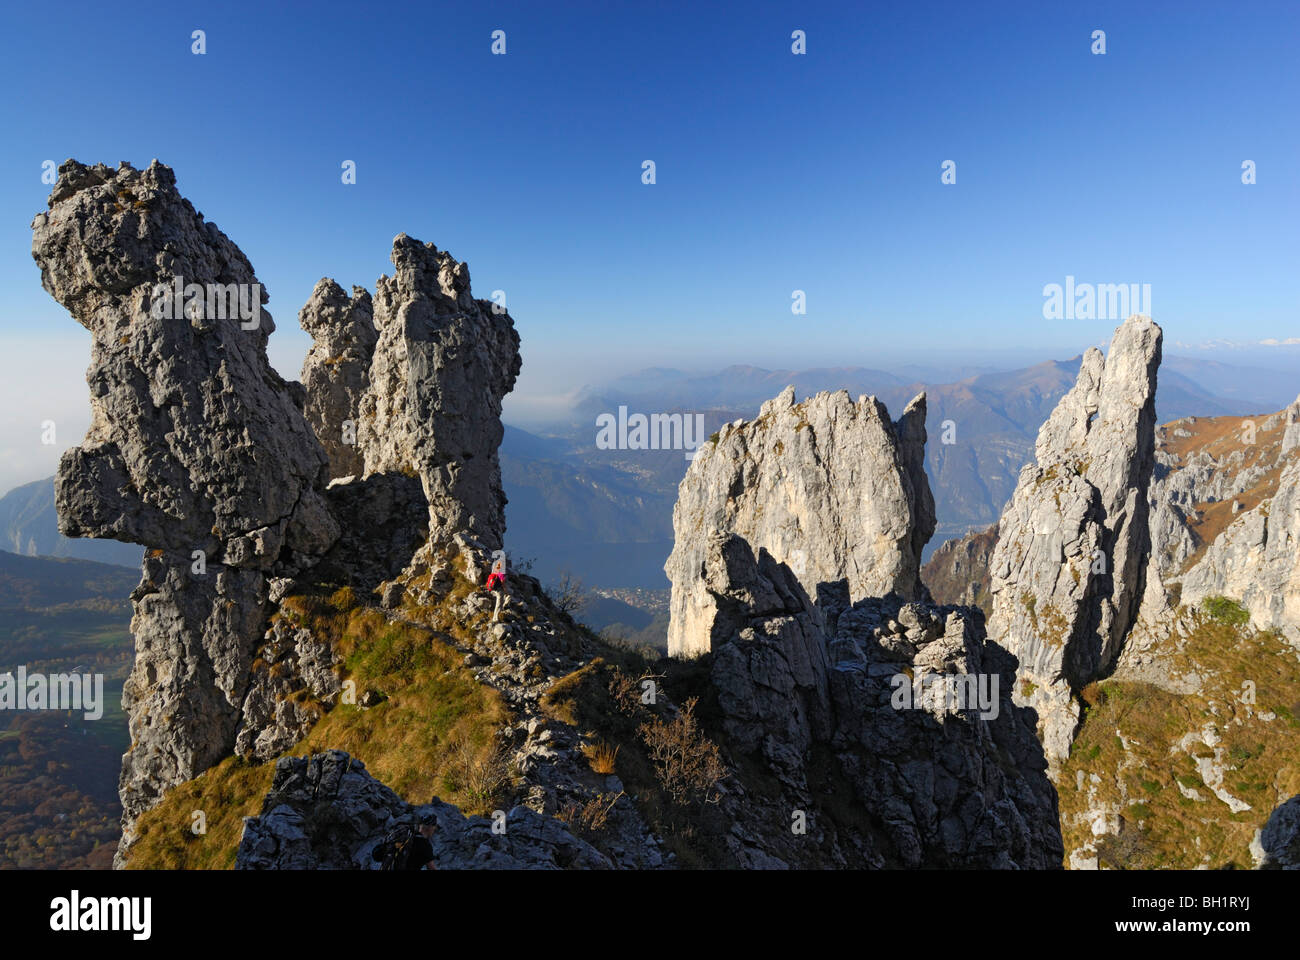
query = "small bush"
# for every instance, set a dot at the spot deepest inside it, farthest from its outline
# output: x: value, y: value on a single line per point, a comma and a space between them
x: 567, y: 593
x: 344, y: 599
x: 688, y: 764
x: 588, y: 819
x: 1226, y: 610
x: 601, y: 756
x: 482, y: 775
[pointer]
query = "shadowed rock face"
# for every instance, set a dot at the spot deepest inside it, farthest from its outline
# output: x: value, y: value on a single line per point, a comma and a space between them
x: 336, y: 371
x: 1280, y: 839
x: 830, y: 487
x: 796, y: 567
x: 442, y: 365
x: 1068, y: 570
x: 812, y: 692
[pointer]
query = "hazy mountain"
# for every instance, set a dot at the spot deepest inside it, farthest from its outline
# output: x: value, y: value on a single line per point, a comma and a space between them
x: 30, y: 527
x: 29, y: 582
x: 605, y: 515
x: 1251, y: 389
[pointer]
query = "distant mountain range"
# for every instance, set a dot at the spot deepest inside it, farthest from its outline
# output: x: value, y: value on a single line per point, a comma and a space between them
x: 605, y: 515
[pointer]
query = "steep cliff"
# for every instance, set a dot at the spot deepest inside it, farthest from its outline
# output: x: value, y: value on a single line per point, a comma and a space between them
x: 1069, y: 569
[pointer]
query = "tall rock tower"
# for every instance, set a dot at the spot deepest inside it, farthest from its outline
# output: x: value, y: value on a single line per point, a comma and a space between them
x: 1073, y: 544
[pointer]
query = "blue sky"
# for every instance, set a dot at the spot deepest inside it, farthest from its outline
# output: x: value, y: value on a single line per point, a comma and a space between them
x: 775, y: 172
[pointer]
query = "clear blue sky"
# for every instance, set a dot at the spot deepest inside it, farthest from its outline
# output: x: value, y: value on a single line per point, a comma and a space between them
x: 775, y: 172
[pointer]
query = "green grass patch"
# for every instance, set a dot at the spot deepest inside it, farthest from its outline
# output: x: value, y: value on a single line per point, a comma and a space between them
x: 1262, y: 757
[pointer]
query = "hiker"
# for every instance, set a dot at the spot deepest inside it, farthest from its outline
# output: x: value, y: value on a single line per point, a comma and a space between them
x: 496, y: 583
x: 407, y: 848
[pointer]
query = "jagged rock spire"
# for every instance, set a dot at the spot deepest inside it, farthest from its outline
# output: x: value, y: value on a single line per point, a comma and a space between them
x: 1073, y: 544
x: 336, y: 370
x: 442, y: 365
x: 196, y: 448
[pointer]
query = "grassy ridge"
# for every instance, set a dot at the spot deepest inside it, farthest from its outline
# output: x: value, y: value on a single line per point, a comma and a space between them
x: 433, y: 733
x: 1143, y: 744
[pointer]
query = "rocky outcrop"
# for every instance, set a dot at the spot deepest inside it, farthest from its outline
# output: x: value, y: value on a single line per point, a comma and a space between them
x: 441, y: 366
x: 1279, y: 841
x: 832, y: 488
x: 1224, y: 519
x: 958, y: 572
x: 290, y: 659
x: 1209, y: 470
x: 899, y: 710
x: 1069, y: 568
x: 195, y: 442
x: 196, y: 448
x: 336, y: 371
x: 1256, y: 560
x: 327, y: 812
x: 882, y: 723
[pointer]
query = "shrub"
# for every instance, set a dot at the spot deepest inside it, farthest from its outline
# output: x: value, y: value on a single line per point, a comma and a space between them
x: 1226, y: 610
x: 344, y: 599
x: 481, y: 774
x: 601, y: 756
x: 688, y: 764
x: 567, y: 594
x: 587, y: 819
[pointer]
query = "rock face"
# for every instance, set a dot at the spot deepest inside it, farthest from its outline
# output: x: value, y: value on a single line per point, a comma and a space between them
x: 336, y: 371
x: 830, y: 487
x: 1068, y: 571
x: 1280, y: 838
x: 442, y: 365
x: 195, y: 442
x: 1256, y: 560
x: 196, y: 448
x: 862, y: 702
x: 327, y: 812
x: 1225, y: 516
x: 958, y: 572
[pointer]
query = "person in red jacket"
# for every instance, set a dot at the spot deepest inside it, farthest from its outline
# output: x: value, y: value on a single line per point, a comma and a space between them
x: 496, y: 583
